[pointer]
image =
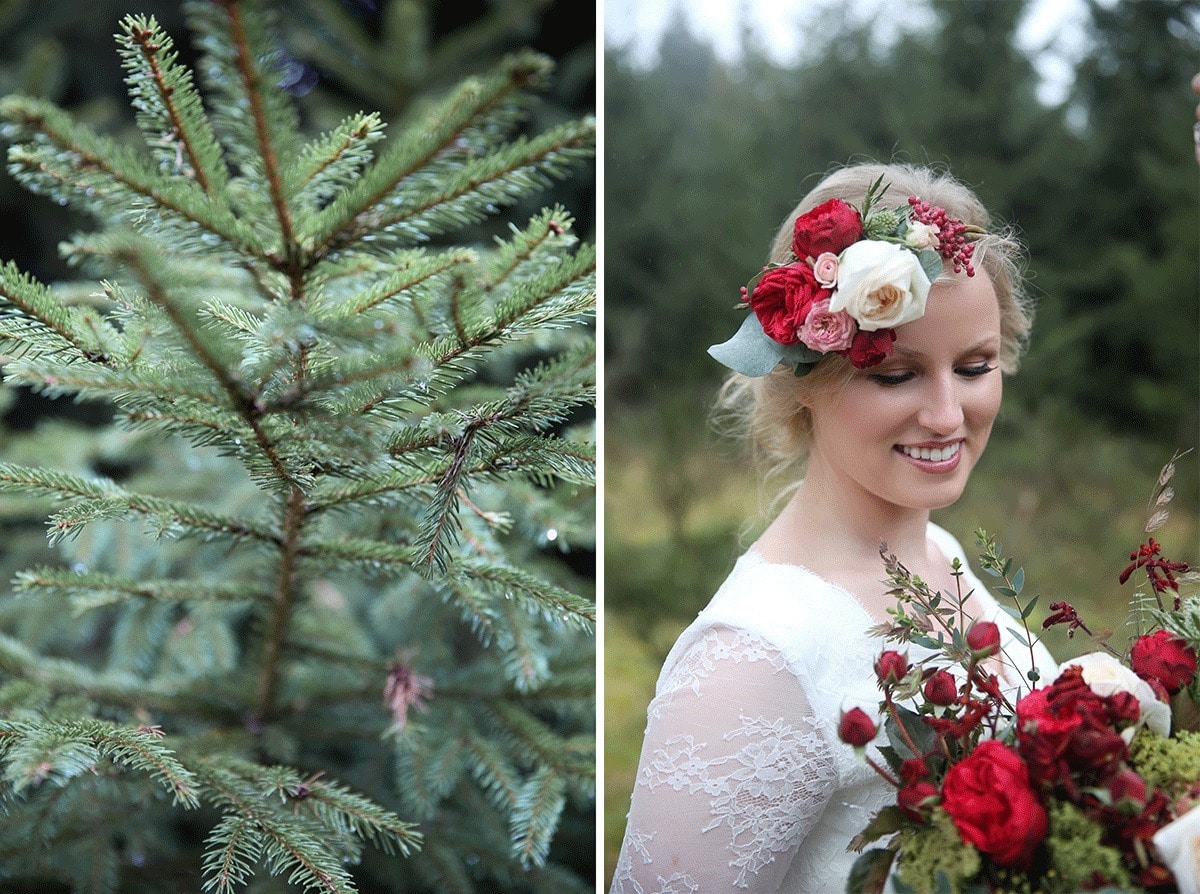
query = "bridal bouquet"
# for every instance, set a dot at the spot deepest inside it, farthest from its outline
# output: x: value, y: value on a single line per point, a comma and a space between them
x: 1089, y: 781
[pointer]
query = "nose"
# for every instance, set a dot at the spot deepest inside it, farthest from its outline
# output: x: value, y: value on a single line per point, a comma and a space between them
x: 942, y: 410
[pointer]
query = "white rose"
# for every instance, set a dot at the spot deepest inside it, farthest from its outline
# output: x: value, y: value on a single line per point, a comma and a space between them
x: 1178, y: 843
x: 921, y: 235
x: 880, y: 284
x: 1105, y: 675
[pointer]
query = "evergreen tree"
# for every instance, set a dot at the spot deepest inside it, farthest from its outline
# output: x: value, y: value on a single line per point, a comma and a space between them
x: 310, y: 621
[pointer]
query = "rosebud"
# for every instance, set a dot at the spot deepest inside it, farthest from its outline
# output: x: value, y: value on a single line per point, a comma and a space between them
x: 891, y: 667
x: 1128, y: 785
x: 914, y: 770
x: 913, y: 799
x: 983, y: 639
x: 941, y: 688
x: 856, y: 728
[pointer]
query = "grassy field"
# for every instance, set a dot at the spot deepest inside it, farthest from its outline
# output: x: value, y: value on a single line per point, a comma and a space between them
x: 1067, y: 502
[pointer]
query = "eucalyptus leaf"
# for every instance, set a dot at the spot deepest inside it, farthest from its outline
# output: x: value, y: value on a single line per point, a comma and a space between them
x: 931, y: 263
x: 750, y: 351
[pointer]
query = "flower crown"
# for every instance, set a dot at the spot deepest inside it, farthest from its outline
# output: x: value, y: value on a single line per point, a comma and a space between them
x: 855, y: 277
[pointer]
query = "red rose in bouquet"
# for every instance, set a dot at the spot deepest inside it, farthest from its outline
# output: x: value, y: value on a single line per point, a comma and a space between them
x: 1164, y: 658
x: 782, y: 299
x: 831, y: 226
x: 989, y: 797
x: 1066, y: 731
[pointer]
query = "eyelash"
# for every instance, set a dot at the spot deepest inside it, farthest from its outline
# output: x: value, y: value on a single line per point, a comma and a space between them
x: 969, y: 372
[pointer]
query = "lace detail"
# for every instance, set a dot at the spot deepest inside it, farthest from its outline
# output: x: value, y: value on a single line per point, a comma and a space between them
x: 702, y: 659
x: 635, y: 844
x: 766, y: 792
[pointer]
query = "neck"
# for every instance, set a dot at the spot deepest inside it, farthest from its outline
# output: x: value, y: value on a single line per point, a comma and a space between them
x: 841, y: 517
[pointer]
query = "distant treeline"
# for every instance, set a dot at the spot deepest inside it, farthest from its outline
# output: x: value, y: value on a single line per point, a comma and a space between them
x: 704, y: 158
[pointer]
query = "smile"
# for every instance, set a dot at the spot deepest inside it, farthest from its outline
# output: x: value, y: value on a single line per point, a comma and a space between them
x: 933, y: 454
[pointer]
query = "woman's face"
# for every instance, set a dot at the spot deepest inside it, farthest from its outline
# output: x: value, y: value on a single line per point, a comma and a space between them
x: 908, y: 431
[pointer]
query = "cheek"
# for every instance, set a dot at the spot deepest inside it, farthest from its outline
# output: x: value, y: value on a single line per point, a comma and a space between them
x: 984, y: 405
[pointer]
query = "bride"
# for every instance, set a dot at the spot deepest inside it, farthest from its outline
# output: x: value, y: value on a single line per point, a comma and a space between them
x: 873, y: 354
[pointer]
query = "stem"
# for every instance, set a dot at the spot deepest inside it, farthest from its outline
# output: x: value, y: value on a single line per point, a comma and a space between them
x: 882, y: 772
x: 245, y: 66
x: 285, y: 600
x: 912, y: 746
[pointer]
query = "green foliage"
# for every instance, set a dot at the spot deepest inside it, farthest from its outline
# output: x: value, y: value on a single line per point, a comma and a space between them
x: 315, y: 596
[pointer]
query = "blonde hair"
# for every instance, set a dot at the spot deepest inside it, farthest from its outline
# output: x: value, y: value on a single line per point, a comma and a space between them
x: 772, y: 411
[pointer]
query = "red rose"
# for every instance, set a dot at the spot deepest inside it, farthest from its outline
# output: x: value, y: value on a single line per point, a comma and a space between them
x: 890, y: 667
x: 1066, y: 730
x: 831, y: 226
x: 988, y: 796
x: 782, y: 299
x: 870, y: 348
x: 983, y: 639
x: 1164, y: 657
x: 941, y: 688
x: 856, y: 728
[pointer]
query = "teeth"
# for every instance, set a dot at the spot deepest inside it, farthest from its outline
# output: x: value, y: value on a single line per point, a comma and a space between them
x: 936, y: 454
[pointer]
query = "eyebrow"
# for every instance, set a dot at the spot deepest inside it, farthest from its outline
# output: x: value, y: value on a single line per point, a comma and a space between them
x: 990, y: 341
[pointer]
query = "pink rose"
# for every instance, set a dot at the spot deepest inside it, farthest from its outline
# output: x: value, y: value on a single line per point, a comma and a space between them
x: 824, y: 331
x: 825, y: 268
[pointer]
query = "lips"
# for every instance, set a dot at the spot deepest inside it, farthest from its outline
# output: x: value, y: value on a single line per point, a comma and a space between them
x: 935, y: 454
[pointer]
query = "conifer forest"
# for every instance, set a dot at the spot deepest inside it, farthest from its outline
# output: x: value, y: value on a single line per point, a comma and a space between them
x: 298, y: 459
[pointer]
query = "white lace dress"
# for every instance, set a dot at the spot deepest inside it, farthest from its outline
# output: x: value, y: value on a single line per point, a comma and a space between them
x: 743, y: 784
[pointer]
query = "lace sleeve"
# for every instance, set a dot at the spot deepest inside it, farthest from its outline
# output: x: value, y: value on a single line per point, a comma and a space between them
x: 734, y: 773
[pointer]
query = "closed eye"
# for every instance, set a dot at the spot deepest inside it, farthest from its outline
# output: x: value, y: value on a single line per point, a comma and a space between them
x: 890, y: 379
x: 976, y: 370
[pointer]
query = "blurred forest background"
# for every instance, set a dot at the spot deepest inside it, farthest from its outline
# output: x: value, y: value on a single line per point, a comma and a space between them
x: 702, y: 160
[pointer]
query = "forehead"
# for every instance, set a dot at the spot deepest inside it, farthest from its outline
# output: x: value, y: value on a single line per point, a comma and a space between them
x: 961, y: 311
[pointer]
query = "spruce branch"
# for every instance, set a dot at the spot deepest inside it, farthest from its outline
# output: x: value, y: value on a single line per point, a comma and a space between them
x: 240, y: 398
x: 535, y: 816
x: 334, y: 161
x: 60, y: 751
x: 91, y: 590
x: 443, y: 136
x: 556, y: 603
x: 259, y: 126
x: 249, y: 46
x: 35, y: 323
x: 283, y: 601
x: 54, y: 155
x: 287, y: 844
x: 103, y: 498
x: 116, y: 689
x: 387, y: 424
x: 414, y: 269
x: 539, y: 245
x: 169, y: 110
x: 500, y: 179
